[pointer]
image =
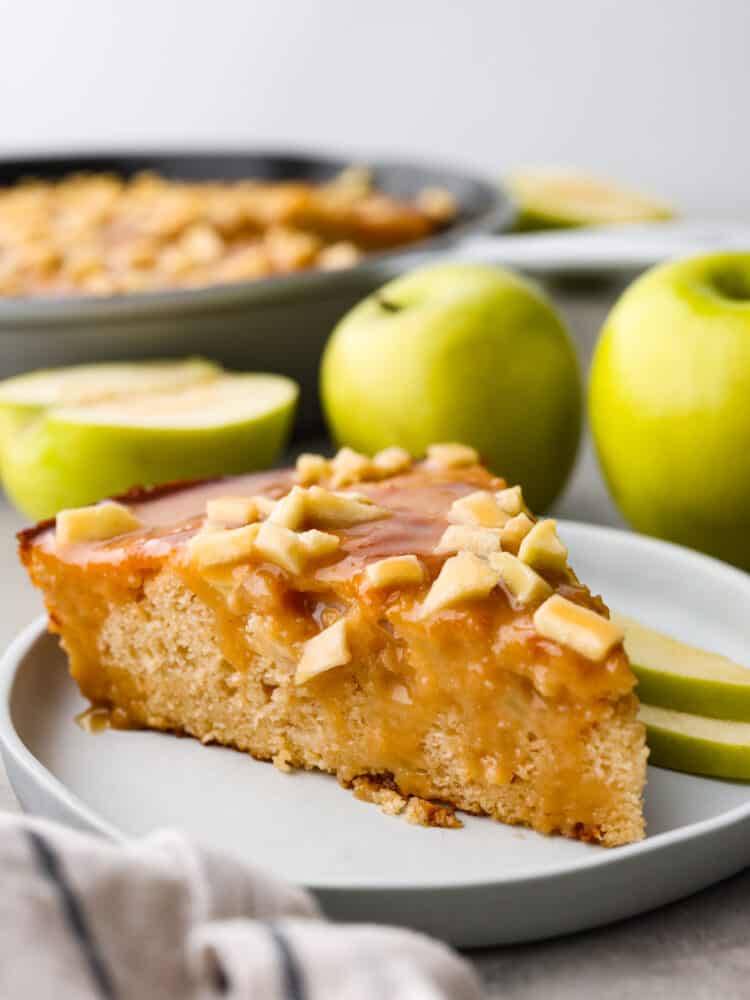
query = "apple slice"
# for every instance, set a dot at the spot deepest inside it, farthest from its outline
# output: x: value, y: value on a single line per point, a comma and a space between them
x: 74, y: 454
x: 24, y: 397
x: 674, y: 675
x: 552, y: 198
x: 697, y: 745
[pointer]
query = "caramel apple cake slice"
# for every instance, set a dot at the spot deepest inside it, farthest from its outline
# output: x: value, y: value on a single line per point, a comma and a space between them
x: 408, y: 627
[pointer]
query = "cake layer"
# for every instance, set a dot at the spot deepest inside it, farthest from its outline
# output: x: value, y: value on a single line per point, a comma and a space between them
x: 473, y: 703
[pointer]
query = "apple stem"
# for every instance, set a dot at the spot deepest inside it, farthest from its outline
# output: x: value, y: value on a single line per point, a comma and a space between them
x: 388, y: 305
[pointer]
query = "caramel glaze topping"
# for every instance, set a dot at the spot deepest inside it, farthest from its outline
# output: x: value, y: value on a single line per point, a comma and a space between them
x: 419, y: 502
x: 482, y: 660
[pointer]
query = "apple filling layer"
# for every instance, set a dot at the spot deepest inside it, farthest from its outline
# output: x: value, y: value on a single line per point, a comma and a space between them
x: 332, y: 628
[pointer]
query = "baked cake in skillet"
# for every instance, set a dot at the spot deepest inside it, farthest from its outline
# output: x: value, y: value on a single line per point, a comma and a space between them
x: 406, y: 626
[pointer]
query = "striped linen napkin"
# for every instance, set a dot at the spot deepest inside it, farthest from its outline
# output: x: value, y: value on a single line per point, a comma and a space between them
x: 82, y: 918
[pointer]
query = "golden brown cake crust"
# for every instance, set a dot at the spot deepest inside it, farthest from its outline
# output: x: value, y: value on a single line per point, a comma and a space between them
x: 471, y: 707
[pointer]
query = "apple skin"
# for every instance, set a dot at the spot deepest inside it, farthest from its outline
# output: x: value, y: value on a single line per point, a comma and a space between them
x: 695, y: 745
x: 714, y: 699
x: 459, y: 352
x: 57, y: 463
x: 669, y: 402
x: 13, y: 418
x: 671, y: 674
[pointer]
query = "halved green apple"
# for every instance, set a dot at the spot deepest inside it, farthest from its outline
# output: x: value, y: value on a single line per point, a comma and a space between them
x: 696, y: 744
x: 24, y: 397
x: 676, y: 676
x: 74, y: 454
x: 555, y: 198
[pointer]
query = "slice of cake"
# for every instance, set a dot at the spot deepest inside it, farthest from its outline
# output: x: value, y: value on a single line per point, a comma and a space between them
x: 408, y: 627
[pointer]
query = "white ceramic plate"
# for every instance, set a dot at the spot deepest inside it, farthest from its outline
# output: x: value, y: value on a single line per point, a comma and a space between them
x: 485, y: 884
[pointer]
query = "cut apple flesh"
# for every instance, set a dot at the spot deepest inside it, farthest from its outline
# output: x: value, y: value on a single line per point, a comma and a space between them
x: 23, y: 398
x: 225, y: 400
x: 697, y: 745
x: 676, y: 676
x: 554, y: 197
x: 93, y: 383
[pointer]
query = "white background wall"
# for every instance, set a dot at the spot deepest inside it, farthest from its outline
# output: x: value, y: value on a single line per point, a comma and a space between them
x: 654, y: 91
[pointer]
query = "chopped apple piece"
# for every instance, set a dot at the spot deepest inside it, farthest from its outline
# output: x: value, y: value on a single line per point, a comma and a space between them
x: 391, y: 461
x: 326, y: 650
x: 264, y: 505
x: 524, y: 584
x: 514, y: 532
x: 463, y: 538
x: 463, y: 577
x: 578, y: 628
x: 336, y: 510
x: 353, y: 495
x: 281, y: 546
x: 542, y: 549
x: 318, y: 544
x: 510, y: 500
x: 95, y: 523
x: 452, y: 455
x: 311, y: 469
x: 480, y: 508
x: 290, y: 510
x: 349, y: 467
x: 395, y: 571
x: 232, y: 510
x: 227, y: 545
x: 292, y: 550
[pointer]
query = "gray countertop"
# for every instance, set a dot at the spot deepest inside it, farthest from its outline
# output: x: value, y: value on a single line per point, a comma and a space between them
x: 693, y: 949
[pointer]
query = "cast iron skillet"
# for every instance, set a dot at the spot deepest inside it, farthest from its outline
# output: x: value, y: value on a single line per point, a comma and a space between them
x: 272, y: 324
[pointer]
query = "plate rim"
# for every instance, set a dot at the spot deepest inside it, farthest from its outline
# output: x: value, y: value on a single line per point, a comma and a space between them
x: 13, y: 746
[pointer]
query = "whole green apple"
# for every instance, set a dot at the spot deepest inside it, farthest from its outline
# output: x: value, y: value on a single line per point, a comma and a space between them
x: 670, y: 404
x: 459, y: 352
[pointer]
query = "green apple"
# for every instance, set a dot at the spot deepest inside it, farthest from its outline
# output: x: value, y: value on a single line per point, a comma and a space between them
x: 74, y: 454
x: 695, y: 744
x: 673, y: 675
x: 459, y: 352
x: 552, y: 198
x: 670, y: 404
x: 24, y: 397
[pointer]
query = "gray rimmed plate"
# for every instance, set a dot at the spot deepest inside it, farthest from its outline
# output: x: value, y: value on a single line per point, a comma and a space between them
x: 486, y: 884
